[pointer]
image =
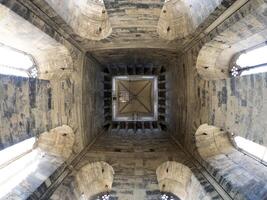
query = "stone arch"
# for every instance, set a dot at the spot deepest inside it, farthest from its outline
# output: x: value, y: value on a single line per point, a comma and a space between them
x: 58, y: 141
x: 178, y: 179
x: 93, y: 179
x: 36, y: 164
x: 243, y: 30
x: 50, y: 56
x: 233, y: 170
x: 211, y: 140
x: 89, y: 19
x: 180, y: 18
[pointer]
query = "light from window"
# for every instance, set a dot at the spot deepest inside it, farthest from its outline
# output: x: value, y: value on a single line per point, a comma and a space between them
x: 16, y: 172
x: 16, y: 163
x: 15, y: 62
x: 251, y: 62
x: 16, y: 151
x: 252, y: 148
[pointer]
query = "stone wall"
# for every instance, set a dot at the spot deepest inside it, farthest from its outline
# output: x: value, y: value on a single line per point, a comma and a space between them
x: 25, y: 108
x: 240, y: 175
x: 49, y: 55
x: 93, y: 179
x: 66, y: 84
x: 88, y: 19
x: 178, y: 19
x: 237, y: 105
x: 244, y: 29
x: 133, y: 23
x: 134, y: 158
x: 34, y: 168
x: 178, y: 179
x: 93, y: 111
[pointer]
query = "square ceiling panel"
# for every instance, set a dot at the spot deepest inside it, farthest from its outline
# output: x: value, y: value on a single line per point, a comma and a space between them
x: 134, y: 98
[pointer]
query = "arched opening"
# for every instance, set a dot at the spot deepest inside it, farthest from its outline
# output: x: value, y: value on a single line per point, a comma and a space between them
x: 250, y: 61
x: 233, y: 169
x: 17, y: 63
x: 218, y: 56
x: 177, y: 182
x: 94, y: 181
x: 179, y: 19
x: 51, y: 57
x: 33, y: 161
x: 28, y: 103
x: 256, y: 150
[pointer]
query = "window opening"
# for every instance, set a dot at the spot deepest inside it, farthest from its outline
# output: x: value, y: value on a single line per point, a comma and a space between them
x: 13, y: 152
x: 252, y: 148
x: 16, y: 164
x: 251, y: 62
x: 16, y: 63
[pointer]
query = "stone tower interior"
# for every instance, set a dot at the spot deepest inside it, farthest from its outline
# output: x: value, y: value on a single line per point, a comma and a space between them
x: 133, y: 99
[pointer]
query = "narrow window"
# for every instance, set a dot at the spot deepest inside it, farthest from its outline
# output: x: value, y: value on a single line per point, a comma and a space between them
x: 251, y: 62
x: 252, y: 148
x: 16, y: 163
x: 16, y: 63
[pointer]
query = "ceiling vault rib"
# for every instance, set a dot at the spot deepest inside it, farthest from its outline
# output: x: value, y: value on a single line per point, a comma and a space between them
x: 125, y: 87
x: 148, y: 83
x: 143, y: 105
x: 124, y: 106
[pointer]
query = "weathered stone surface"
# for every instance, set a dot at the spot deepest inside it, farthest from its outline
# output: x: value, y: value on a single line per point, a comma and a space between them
x: 180, y: 18
x: 94, y: 178
x: 58, y: 141
x: 134, y: 158
x: 24, y: 109
x: 92, y: 105
x: 49, y: 55
x: 235, y: 171
x: 67, y: 83
x: 211, y: 141
x: 88, y: 19
x: 179, y: 180
x: 134, y: 24
x: 228, y: 103
x: 245, y: 29
x: 74, y: 97
x: 37, y: 172
x: 174, y: 178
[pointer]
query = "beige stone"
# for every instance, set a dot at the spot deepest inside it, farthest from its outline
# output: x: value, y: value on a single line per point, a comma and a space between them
x: 93, y: 179
x: 58, y: 141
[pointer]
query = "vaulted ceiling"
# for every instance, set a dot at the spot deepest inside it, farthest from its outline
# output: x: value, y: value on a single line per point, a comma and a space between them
x: 114, y: 27
x: 132, y: 23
